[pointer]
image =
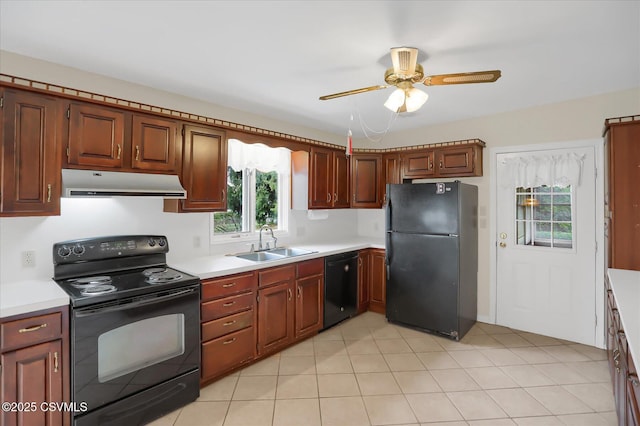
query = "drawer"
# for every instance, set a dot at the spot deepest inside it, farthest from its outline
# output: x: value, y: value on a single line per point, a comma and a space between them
x: 229, y: 305
x: 225, y: 353
x: 229, y: 324
x: 29, y: 331
x: 220, y: 287
x: 276, y: 275
x: 310, y: 267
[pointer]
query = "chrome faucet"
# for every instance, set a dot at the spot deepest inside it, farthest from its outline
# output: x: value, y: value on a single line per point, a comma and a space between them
x: 275, y: 240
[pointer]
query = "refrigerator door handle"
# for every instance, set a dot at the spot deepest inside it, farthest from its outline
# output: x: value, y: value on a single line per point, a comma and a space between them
x: 387, y: 253
x: 388, y: 212
x: 453, y: 235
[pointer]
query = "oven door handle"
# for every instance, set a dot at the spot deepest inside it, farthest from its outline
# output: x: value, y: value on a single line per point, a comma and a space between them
x: 135, y: 304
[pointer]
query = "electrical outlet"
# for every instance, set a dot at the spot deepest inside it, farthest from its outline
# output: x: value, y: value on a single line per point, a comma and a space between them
x: 29, y: 259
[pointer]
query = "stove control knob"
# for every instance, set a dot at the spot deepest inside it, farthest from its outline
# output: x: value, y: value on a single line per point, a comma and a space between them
x: 161, y: 242
x: 152, y: 242
x: 64, y: 251
x: 78, y: 250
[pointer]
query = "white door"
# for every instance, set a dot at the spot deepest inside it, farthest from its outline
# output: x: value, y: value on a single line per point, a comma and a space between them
x: 546, y: 251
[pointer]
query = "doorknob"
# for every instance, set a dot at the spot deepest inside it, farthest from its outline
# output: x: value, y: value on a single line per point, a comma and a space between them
x: 503, y: 244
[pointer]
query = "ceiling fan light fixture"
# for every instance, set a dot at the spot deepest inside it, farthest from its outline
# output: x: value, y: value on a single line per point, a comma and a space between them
x: 415, y: 99
x: 395, y: 100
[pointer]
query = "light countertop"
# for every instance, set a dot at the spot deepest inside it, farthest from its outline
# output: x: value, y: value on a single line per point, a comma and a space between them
x: 626, y: 289
x: 34, y: 295
x: 30, y: 296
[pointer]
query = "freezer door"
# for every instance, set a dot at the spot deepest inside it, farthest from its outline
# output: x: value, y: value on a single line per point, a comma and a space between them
x: 422, y: 284
x: 419, y: 208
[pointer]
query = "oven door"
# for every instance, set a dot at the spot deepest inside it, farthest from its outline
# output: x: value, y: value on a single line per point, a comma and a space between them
x: 123, y: 347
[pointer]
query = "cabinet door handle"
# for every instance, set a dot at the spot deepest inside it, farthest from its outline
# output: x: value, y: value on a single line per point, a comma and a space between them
x: 228, y: 323
x: 55, y: 362
x: 34, y: 328
x: 137, y: 153
x: 354, y: 198
x: 328, y: 197
x: 119, y: 152
x: 289, y: 291
x: 335, y: 197
x: 431, y: 164
x: 633, y: 378
x: 228, y: 285
x: 229, y: 304
x: 48, y: 193
x: 440, y: 163
x: 299, y: 292
x: 226, y: 342
x: 224, y: 195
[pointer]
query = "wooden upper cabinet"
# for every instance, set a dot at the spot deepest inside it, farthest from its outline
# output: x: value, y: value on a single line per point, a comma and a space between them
x: 366, y: 180
x: 30, y: 162
x: 204, y: 171
x: 458, y: 161
x: 96, y: 136
x: 108, y: 138
x: 153, y: 143
x: 417, y: 164
x: 328, y: 179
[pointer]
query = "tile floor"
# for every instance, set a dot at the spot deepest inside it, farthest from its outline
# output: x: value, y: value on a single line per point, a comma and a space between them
x: 366, y: 371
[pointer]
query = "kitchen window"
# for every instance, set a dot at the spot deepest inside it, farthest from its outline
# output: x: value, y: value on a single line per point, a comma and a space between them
x: 544, y: 216
x: 257, y: 190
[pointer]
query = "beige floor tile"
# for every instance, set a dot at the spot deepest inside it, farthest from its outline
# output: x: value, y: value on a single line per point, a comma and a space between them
x: 469, y: 359
x: 299, y: 386
x: 453, y: 345
x: 294, y: 412
x: 329, y: 347
x: 558, y: 400
x: 493, y: 329
x: 408, y: 333
x: 491, y: 378
x: 249, y: 413
x: 518, y: 403
x: 369, y: 363
x: 492, y: 422
x: 222, y: 390
x: 512, y: 340
x: 393, y: 346
x: 266, y: 367
x: 207, y: 413
x: 460, y: 423
x: 404, y: 362
x: 595, y: 371
x: 360, y: 332
x: 416, y: 382
x: 561, y: 374
x: 533, y: 355
x: 377, y: 384
x: 476, y: 405
x: 527, y: 375
x: 327, y: 364
x: 388, y: 409
x: 538, y: 421
x: 343, y: 411
x: 598, y: 396
x: 424, y: 344
x: 454, y: 380
x: 433, y: 407
x: 503, y: 357
x: 476, y: 330
x: 333, y: 333
x: 297, y: 365
x: 540, y: 340
x: 299, y: 349
x: 482, y: 341
x: 255, y: 387
x: 592, y: 419
x: 386, y: 332
x: 594, y: 354
x: 334, y: 385
x: 437, y: 360
x: 564, y: 353
x: 362, y: 347
x: 167, y: 420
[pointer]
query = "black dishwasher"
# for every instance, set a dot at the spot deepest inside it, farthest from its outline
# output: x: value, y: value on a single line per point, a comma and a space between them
x: 340, y: 287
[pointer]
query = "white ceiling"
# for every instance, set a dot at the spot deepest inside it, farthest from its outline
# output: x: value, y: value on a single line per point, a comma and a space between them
x: 275, y: 58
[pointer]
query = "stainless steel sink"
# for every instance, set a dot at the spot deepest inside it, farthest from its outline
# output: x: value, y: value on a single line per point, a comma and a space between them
x: 273, y: 254
x: 260, y: 256
x: 290, y: 252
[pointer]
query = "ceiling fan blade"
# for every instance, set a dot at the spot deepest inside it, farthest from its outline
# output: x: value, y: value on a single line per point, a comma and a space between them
x: 352, y: 92
x: 463, y: 78
x: 404, y: 60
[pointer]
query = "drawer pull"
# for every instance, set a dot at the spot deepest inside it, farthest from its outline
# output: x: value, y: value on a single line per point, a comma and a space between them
x: 228, y: 285
x: 228, y: 323
x: 227, y: 342
x: 229, y: 304
x: 34, y: 328
x: 55, y: 362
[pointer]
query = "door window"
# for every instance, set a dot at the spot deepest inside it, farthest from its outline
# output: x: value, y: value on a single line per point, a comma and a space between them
x: 544, y: 216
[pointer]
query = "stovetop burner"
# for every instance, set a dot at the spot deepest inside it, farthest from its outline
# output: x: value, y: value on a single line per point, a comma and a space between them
x: 91, y: 281
x: 162, y: 276
x: 95, y: 290
x: 151, y: 271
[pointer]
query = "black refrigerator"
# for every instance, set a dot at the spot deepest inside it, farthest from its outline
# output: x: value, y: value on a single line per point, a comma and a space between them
x: 432, y: 256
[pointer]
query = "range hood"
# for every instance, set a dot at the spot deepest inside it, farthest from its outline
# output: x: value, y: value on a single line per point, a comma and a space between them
x: 92, y: 183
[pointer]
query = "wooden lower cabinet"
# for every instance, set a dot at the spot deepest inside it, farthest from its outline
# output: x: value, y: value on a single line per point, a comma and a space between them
x: 309, y: 297
x: 363, y: 280
x: 378, y: 281
x: 275, y: 316
x: 35, y: 368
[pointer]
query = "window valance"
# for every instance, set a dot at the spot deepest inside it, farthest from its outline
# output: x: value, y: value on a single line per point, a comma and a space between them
x: 258, y: 156
x: 528, y: 171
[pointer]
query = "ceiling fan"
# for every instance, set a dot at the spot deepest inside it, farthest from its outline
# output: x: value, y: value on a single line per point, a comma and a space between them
x: 406, y: 72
